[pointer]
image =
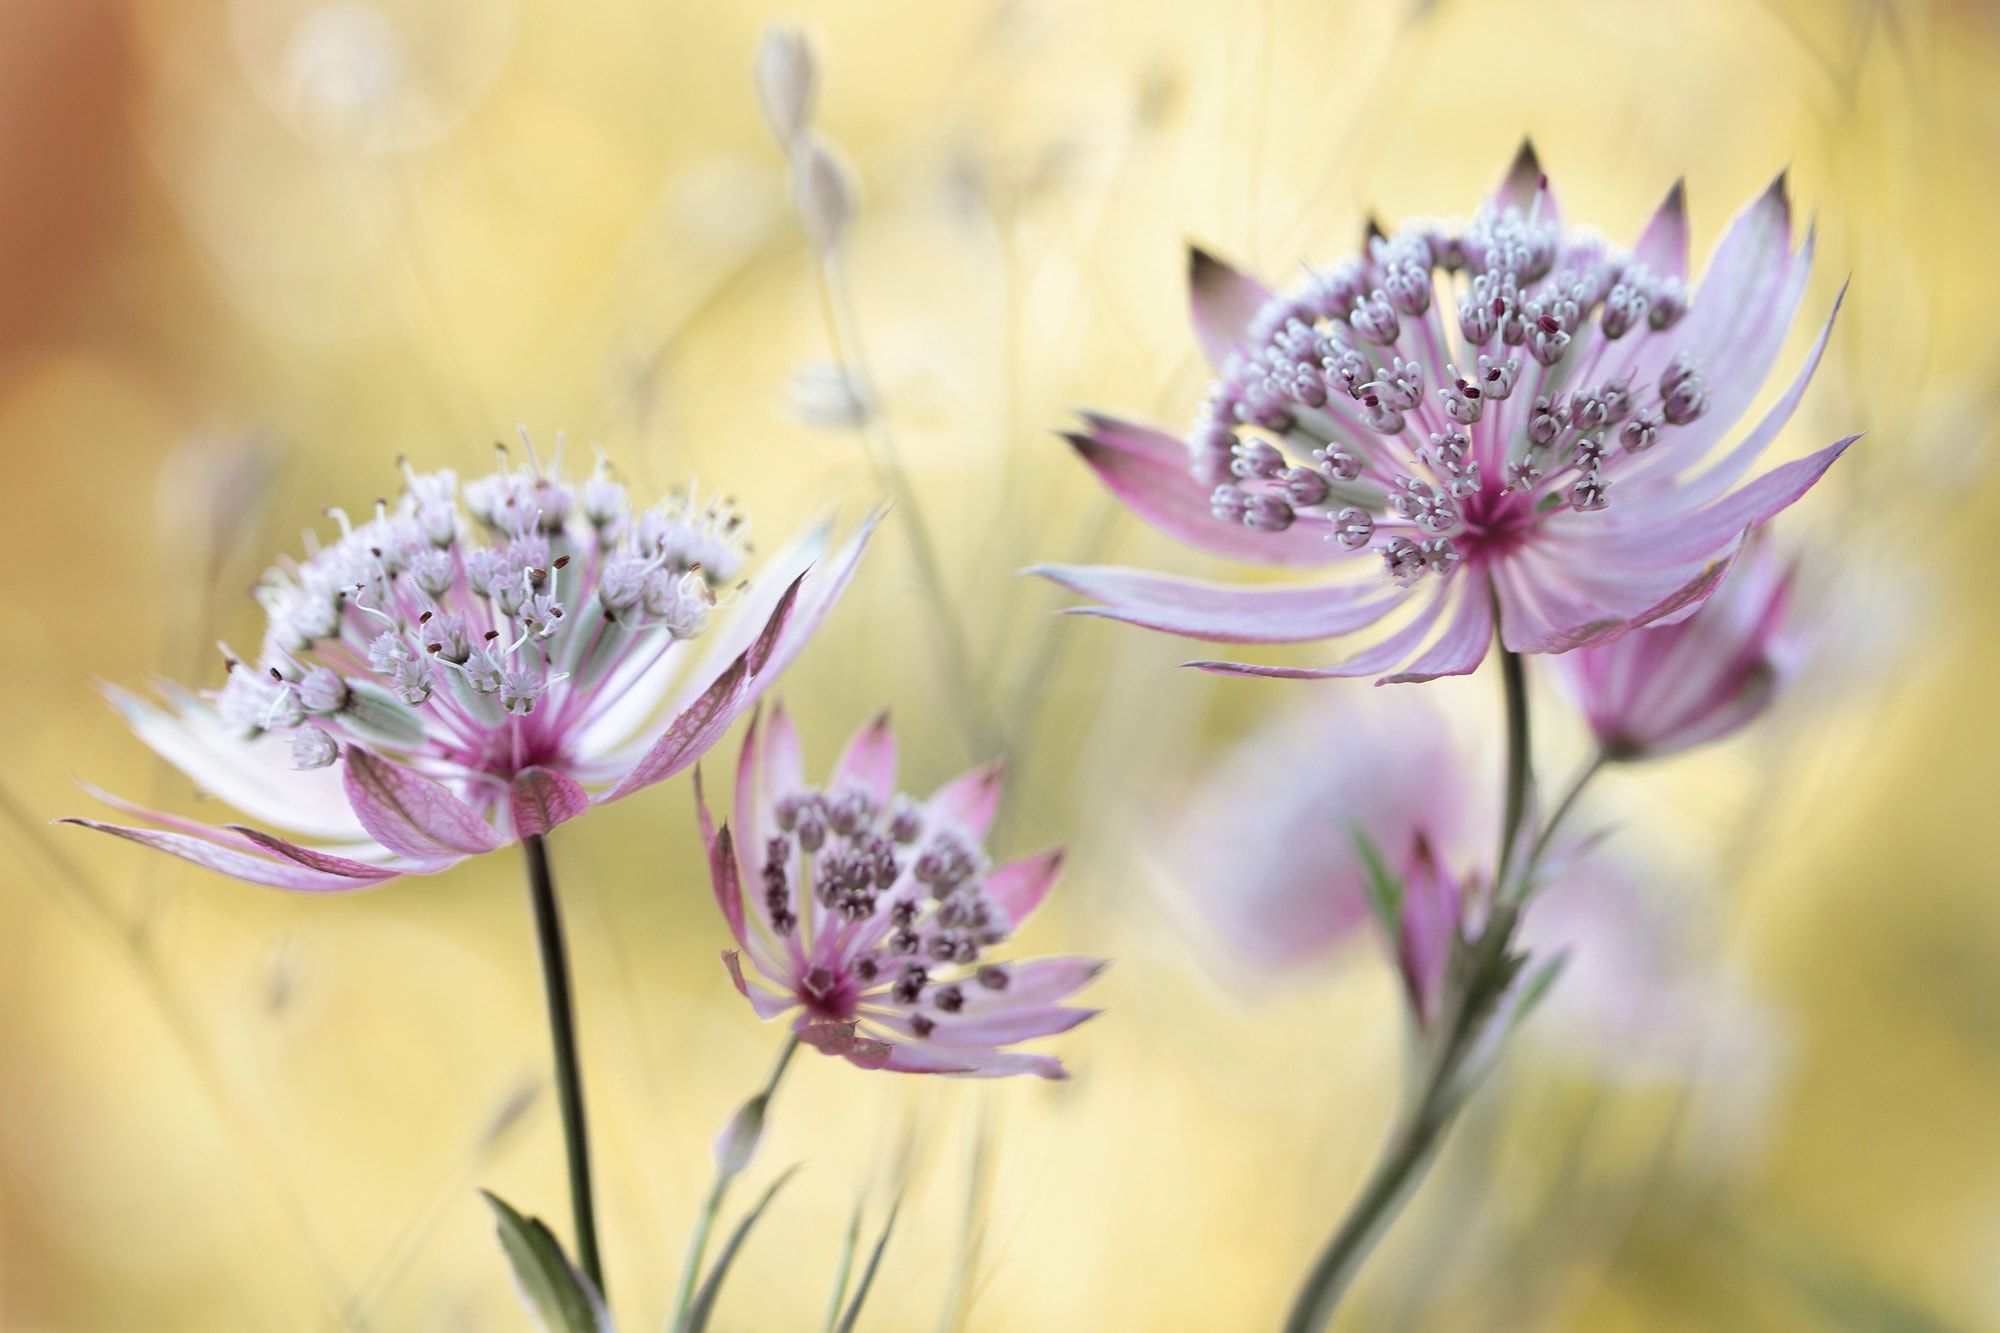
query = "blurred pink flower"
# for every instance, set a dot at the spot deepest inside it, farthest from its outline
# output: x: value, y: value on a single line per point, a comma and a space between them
x: 871, y: 912
x: 1266, y: 851
x: 1267, y: 847
x: 430, y: 688
x: 1668, y: 687
x: 1551, y: 458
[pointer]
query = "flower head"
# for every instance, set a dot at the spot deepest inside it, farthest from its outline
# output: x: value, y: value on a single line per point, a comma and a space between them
x: 467, y: 667
x: 1669, y: 687
x: 1267, y: 852
x: 874, y: 916
x: 1501, y: 416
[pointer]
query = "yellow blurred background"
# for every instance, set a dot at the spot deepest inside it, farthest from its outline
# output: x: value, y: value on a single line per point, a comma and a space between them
x: 253, y: 250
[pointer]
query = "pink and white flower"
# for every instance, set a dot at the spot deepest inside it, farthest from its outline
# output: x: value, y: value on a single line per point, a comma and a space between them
x: 431, y: 687
x: 873, y: 915
x: 1667, y: 688
x: 1265, y: 851
x: 1505, y: 417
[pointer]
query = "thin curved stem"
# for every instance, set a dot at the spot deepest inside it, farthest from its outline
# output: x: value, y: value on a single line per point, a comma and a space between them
x: 1520, y: 762
x: 569, y: 1070
x: 1481, y: 971
x: 844, y: 331
x: 711, y: 1206
x: 1598, y: 760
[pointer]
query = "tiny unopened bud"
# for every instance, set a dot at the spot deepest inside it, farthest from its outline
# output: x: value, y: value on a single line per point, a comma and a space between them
x: 313, y: 748
x: 822, y: 192
x: 322, y: 691
x: 738, y: 1141
x: 786, y: 81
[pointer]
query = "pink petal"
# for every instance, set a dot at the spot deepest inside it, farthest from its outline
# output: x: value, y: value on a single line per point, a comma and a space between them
x: 1018, y: 887
x: 1229, y: 613
x: 1680, y: 538
x: 1148, y: 470
x: 912, y: 1058
x: 775, y: 575
x: 236, y: 864
x: 816, y: 601
x: 784, y: 765
x: 842, y: 1039
x: 329, y: 864
x: 1526, y: 187
x: 256, y: 776
x: 998, y: 1028
x: 542, y: 798
x: 1663, y: 246
x: 1038, y: 981
x: 1723, y: 474
x: 1391, y: 652
x: 726, y: 877
x: 870, y: 761
x: 1462, y: 647
x: 1224, y: 302
x: 1740, y: 314
x: 762, y: 1002
x: 690, y: 736
x: 969, y: 800
x: 1430, y: 920
x: 411, y: 814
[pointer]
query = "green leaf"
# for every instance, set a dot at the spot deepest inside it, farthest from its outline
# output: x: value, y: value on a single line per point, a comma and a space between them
x: 1384, y: 887
x: 557, y: 1297
x: 842, y: 1272
x: 704, y: 1301
x: 868, y: 1273
x: 1535, y: 988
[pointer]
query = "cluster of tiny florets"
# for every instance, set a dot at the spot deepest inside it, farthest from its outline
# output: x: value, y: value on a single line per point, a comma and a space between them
x: 905, y: 886
x: 1346, y: 402
x: 477, y: 626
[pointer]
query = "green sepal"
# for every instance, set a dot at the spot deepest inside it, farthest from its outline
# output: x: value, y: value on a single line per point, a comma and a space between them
x: 711, y: 1289
x: 377, y: 715
x: 556, y: 1296
x: 1383, y: 886
x: 868, y: 1274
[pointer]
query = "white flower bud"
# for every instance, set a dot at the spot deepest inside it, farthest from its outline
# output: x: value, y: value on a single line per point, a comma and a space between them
x: 313, y: 748
x: 786, y: 81
x: 822, y: 192
x: 738, y: 1141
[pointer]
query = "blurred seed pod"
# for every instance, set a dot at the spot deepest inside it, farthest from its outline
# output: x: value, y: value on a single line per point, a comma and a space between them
x: 787, y: 81
x: 822, y: 191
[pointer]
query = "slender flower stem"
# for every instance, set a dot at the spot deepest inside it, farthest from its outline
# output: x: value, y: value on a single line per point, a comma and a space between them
x: 711, y: 1206
x: 844, y: 331
x: 1479, y: 978
x: 1598, y: 760
x: 569, y: 1071
x: 1520, y: 761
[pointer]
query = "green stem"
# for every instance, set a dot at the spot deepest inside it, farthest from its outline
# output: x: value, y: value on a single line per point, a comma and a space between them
x: 569, y: 1071
x: 711, y: 1206
x: 1480, y: 975
x: 1590, y: 770
x: 844, y: 332
x: 1520, y: 763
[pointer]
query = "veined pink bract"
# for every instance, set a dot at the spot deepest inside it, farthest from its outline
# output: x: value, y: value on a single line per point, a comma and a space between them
x: 1505, y: 417
x: 871, y: 914
x: 430, y: 688
x: 1667, y: 688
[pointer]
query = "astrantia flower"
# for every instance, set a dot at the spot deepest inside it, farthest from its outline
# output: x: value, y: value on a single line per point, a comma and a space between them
x: 1669, y: 687
x: 441, y: 680
x: 1502, y: 415
x: 875, y: 916
x: 1269, y: 848
x: 1265, y: 850
x: 1268, y: 841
